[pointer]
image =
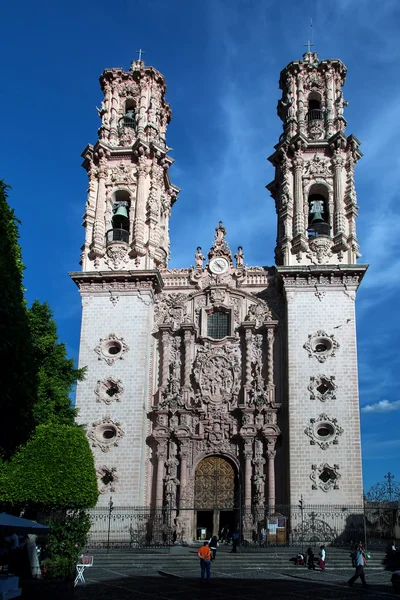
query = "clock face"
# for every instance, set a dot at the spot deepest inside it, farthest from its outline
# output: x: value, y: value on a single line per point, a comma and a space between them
x: 219, y: 265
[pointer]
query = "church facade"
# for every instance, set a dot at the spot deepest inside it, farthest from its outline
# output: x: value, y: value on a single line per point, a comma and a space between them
x: 222, y: 391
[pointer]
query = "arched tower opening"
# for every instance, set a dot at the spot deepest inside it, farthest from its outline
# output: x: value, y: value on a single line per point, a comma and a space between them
x: 315, y: 112
x: 119, y: 231
x: 318, y: 211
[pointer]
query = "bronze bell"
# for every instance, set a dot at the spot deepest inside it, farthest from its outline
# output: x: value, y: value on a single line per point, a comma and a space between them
x: 120, y: 217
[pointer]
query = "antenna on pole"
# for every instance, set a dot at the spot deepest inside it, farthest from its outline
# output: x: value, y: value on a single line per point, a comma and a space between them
x: 310, y: 41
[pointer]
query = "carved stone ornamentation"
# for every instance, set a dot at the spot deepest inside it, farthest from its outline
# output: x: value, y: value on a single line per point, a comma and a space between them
x: 259, y: 313
x: 106, y: 433
x: 321, y: 346
x: 107, y: 479
x: 322, y: 388
x: 217, y: 372
x: 122, y: 174
x: 325, y: 477
x: 318, y: 167
x: 323, y: 431
x: 109, y: 390
x: 171, y: 308
x: 111, y: 348
x: 116, y: 256
x: 320, y: 250
x: 217, y: 296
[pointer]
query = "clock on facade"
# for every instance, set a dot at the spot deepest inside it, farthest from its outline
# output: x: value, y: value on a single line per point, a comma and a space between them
x: 219, y: 265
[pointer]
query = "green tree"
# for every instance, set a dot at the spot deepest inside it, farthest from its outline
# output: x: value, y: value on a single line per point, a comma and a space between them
x: 18, y: 380
x: 54, y: 470
x: 56, y: 373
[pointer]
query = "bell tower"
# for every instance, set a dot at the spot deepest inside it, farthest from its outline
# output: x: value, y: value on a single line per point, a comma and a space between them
x: 316, y: 253
x: 125, y: 250
x: 314, y: 164
x: 130, y: 195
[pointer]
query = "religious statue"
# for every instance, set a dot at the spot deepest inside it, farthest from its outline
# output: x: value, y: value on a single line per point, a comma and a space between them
x: 239, y: 257
x: 199, y: 258
x: 340, y: 103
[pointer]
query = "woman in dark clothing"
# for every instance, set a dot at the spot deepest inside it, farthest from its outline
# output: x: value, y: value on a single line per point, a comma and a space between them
x: 310, y: 559
x: 213, y: 545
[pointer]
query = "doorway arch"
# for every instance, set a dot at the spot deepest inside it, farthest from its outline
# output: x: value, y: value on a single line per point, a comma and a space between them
x: 215, y: 496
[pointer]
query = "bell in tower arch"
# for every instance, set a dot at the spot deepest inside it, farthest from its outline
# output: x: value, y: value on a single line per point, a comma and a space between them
x: 318, y: 218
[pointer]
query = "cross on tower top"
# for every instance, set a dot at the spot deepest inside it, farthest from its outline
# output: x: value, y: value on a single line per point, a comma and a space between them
x: 309, y: 44
x: 140, y: 52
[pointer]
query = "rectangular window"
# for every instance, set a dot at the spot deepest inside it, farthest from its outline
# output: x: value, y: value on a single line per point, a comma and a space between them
x: 218, y: 324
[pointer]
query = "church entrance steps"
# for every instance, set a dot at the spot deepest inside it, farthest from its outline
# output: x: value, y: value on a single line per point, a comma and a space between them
x: 181, y: 559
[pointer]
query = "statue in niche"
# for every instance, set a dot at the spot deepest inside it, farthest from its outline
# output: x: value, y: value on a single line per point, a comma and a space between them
x: 259, y: 485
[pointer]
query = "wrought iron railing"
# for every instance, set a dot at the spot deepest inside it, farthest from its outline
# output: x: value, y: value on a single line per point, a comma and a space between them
x: 152, y: 529
x: 316, y: 114
x: 117, y: 235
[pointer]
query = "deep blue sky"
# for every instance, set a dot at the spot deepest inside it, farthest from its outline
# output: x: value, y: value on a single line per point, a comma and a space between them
x: 221, y: 60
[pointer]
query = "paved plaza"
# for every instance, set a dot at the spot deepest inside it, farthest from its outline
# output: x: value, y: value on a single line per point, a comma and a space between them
x: 178, y: 578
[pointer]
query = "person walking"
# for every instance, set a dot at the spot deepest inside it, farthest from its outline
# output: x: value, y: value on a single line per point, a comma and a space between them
x: 213, y: 545
x: 204, y: 553
x: 235, y: 540
x: 359, y: 563
x: 322, y: 555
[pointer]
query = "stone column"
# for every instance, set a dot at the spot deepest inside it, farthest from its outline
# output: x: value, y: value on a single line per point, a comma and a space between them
x: 189, y: 330
x: 271, y: 453
x: 248, y: 455
x: 248, y: 335
x: 139, y: 227
x: 184, y: 455
x: 99, y: 225
x: 270, y: 366
x: 165, y: 355
x: 338, y: 162
x: 161, y: 454
x: 298, y: 195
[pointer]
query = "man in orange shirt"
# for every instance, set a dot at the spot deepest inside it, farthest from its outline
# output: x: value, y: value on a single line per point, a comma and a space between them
x: 204, y: 554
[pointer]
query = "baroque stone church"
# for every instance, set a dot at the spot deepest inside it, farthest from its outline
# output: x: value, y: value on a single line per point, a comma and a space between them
x: 221, y: 387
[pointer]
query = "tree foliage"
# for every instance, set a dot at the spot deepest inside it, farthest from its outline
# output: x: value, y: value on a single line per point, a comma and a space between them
x: 18, y: 379
x: 56, y: 374
x: 55, y: 469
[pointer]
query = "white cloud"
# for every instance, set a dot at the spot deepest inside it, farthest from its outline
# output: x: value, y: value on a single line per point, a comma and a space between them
x: 383, y: 406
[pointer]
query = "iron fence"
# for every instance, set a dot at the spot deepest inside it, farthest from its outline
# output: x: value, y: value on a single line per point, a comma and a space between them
x: 158, y: 529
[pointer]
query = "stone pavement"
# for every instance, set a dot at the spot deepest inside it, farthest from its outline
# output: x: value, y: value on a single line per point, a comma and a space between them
x: 177, y: 578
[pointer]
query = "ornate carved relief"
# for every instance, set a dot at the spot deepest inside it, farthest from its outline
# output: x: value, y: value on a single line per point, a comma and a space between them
x: 106, y: 433
x: 258, y: 313
x: 320, y: 249
x: 116, y: 256
x: 171, y: 308
x: 217, y: 372
x: 107, y: 479
x: 111, y: 348
x: 318, y: 167
x: 321, y: 346
x: 109, y: 390
x: 325, y: 477
x: 322, y: 388
x: 323, y: 431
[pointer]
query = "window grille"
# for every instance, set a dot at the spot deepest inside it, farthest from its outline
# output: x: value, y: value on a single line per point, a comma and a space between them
x: 218, y: 324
